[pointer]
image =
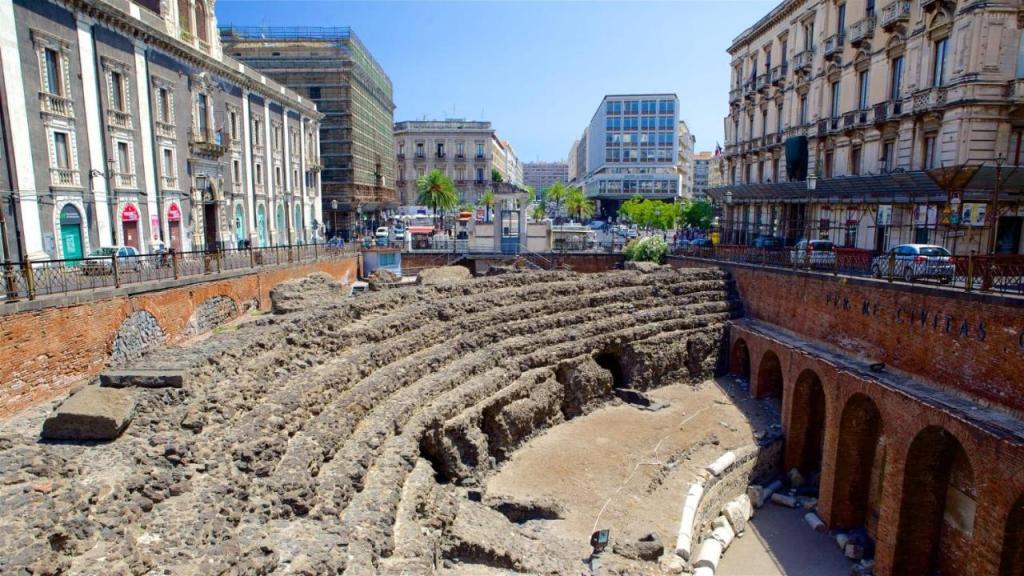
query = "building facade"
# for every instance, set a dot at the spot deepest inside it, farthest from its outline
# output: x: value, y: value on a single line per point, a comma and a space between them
x: 857, y: 90
x: 333, y: 68
x: 684, y: 160
x: 541, y: 175
x: 632, y: 148
x: 464, y: 150
x: 126, y: 125
x: 578, y: 160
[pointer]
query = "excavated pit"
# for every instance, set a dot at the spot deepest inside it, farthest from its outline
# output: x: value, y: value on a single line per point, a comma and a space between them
x: 354, y: 434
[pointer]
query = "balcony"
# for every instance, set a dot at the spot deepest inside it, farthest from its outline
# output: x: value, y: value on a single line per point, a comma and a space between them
x: 206, y: 142
x: 928, y: 99
x: 735, y: 95
x: 420, y: 157
x: 171, y: 183
x: 119, y: 119
x: 460, y: 157
x: 862, y: 30
x: 897, y: 12
x: 761, y: 83
x: 258, y: 150
x: 164, y: 129
x: 929, y: 5
x: 440, y: 156
x: 56, y: 105
x: 480, y: 157
x: 124, y: 180
x: 748, y: 89
x: 64, y: 177
x: 802, y: 61
x: 778, y: 74
x: 834, y: 46
x: 204, y: 46
x: 1015, y: 91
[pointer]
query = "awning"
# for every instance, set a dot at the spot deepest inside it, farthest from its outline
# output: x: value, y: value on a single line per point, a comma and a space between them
x: 421, y: 229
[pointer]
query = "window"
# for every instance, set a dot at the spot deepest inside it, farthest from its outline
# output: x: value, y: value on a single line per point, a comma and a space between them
x: 168, y: 165
x: 939, y: 73
x: 401, y: 148
x: 257, y: 135
x: 234, y: 125
x: 870, y: 8
x: 784, y: 52
x: 201, y: 113
x: 460, y: 149
x: 779, y: 120
x: 666, y: 107
x: 1016, y: 141
x: 888, y: 155
x: 862, y: 100
x: 929, y: 152
x: 809, y: 35
x: 841, y: 22
x: 803, y: 110
x: 855, y: 160
x: 258, y: 174
x: 54, y: 77
x: 440, y: 149
x: 123, y: 158
x: 236, y: 171
x: 277, y: 176
x: 117, y: 100
x: 764, y: 122
x: 314, y: 92
x: 62, y: 155
x: 895, y: 78
x: 479, y: 149
x: 164, y: 96
x: 753, y: 69
x: 1020, y: 56
x: 479, y: 174
x: 829, y: 164
x: 201, y: 21
x: 835, y: 99
x: 419, y: 150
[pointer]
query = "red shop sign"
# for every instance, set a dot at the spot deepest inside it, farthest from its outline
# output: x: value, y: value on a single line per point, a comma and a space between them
x: 130, y: 213
x: 173, y: 212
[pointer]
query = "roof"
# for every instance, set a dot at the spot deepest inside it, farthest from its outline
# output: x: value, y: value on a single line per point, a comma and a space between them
x: 420, y: 229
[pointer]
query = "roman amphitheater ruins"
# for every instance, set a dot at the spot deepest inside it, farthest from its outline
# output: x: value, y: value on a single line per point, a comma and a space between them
x: 492, y: 425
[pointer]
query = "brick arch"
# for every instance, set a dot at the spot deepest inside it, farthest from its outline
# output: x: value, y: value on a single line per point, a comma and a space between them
x: 808, y: 411
x: 138, y: 333
x: 937, y: 509
x: 859, y: 463
x: 769, y: 381
x: 739, y: 359
x: 1012, y: 558
x: 214, y: 310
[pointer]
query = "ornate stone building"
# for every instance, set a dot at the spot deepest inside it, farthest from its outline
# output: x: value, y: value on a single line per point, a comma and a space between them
x: 126, y: 125
x: 851, y: 92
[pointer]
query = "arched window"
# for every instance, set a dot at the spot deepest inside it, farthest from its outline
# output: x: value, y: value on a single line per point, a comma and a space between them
x: 201, y: 21
x: 184, y: 17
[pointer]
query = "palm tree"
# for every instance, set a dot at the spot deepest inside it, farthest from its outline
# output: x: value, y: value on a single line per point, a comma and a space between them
x: 539, y: 211
x: 487, y: 201
x: 557, y: 194
x: 578, y: 204
x: 437, y: 191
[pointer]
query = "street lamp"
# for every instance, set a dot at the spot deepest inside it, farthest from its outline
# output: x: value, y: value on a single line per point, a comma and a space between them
x: 334, y: 217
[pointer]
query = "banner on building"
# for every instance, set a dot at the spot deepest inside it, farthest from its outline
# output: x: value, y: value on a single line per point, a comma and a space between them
x: 884, y: 215
x: 973, y: 214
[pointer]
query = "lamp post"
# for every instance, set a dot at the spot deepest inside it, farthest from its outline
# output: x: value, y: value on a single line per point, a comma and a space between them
x: 812, y: 185
x: 334, y: 217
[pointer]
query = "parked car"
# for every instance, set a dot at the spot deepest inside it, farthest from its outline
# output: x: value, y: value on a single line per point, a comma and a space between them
x: 913, y: 261
x: 814, y: 253
x: 100, y: 261
x: 597, y: 224
x: 702, y: 242
x: 398, y: 234
x: 767, y: 242
x: 382, y: 234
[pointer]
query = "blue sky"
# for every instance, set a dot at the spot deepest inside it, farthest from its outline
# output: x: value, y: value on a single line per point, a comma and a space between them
x: 536, y: 70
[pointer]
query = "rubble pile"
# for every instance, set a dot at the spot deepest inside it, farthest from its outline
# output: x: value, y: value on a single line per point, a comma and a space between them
x: 352, y: 435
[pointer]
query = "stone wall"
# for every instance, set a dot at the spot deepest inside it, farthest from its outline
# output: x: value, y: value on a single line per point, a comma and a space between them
x: 211, y: 313
x: 59, y: 342
x: 139, y: 333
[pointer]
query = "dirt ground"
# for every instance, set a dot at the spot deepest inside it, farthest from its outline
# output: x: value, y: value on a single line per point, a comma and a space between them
x: 626, y: 469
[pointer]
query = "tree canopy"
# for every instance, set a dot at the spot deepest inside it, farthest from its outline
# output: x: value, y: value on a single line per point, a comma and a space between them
x: 696, y: 214
x: 577, y: 204
x: 649, y: 214
x: 437, y: 191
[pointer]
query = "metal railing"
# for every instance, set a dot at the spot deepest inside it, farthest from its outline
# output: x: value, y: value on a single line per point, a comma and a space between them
x: 999, y: 273
x: 21, y: 280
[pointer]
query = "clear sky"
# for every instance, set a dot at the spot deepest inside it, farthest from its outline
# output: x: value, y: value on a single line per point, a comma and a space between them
x: 536, y: 70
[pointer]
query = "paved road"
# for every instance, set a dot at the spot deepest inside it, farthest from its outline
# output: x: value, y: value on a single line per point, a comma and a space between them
x: 780, y: 543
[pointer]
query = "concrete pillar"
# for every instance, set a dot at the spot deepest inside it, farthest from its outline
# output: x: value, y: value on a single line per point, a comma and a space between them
x: 21, y: 143
x: 268, y: 175
x: 149, y: 185
x: 250, y: 209
x: 94, y: 131
x: 291, y: 234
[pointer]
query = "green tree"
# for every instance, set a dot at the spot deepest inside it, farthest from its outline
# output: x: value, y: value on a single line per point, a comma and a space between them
x: 487, y: 201
x: 696, y: 214
x: 539, y: 211
x: 557, y: 194
x: 437, y: 191
x: 577, y: 204
x: 649, y: 214
x: 496, y: 176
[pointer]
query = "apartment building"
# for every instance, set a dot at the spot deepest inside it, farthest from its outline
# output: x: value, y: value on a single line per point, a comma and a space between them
x: 632, y: 149
x: 465, y: 150
x: 541, y: 175
x: 334, y: 68
x: 897, y: 111
x: 706, y: 173
x: 684, y: 160
x: 578, y: 160
x: 125, y: 124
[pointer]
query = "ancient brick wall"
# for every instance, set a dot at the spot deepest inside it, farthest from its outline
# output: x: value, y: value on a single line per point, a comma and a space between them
x: 49, y: 348
x: 968, y: 341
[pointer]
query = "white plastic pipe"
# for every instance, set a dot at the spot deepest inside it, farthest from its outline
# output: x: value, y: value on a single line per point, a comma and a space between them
x: 722, y: 464
x: 710, y: 554
x: 814, y: 522
x: 684, y: 539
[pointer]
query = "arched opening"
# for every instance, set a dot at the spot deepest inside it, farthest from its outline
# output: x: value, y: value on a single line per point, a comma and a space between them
x: 1012, y: 563
x: 858, y: 468
x: 282, y: 234
x: 938, y: 507
x: 239, y: 225
x: 739, y: 359
x: 184, y: 17
x: 297, y: 235
x: 769, y: 376
x: 611, y: 362
x: 806, y: 434
x: 71, y: 233
x: 261, y: 225
x: 201, y: 21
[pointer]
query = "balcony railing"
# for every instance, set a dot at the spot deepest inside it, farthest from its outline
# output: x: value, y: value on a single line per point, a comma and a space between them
x: 929, y: 5
x: 862, y: 30
x: 56, y: 105
x: 258, y: 150
x: 421, y: 156
x: 401, y: 155
x: 164, y: 129
x: 440, y: 156
x: 171, y: 183
x: 204, y: 45
x: 761, y: 82
x: 895, y: 13
x: 206, y: 142
x: 119, y: 119
x: 803, y: 60
x: 929, y: 99
x: 124, y: 180
x: 460, y: 156
x: 834, y: 45
x: 64, y: 177
x: 735, y: 95
x: 778, y: 74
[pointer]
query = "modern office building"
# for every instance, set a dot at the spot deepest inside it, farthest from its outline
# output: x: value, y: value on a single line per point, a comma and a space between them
x: 333, y: 68
x: 541, y: 175
x: 465, y: 150
x: 632, y: 145
x: 707, y: 173
x: 125, y: 124
x: 897, y: 113
x: 684, y: 160
x: 578, y: 160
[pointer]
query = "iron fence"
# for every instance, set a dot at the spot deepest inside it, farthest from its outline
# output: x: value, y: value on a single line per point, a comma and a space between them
x: 46, y: 277
x: 987, y: 273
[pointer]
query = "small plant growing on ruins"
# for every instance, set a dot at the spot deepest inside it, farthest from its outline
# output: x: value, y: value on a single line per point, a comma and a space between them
x: 646, y: 249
